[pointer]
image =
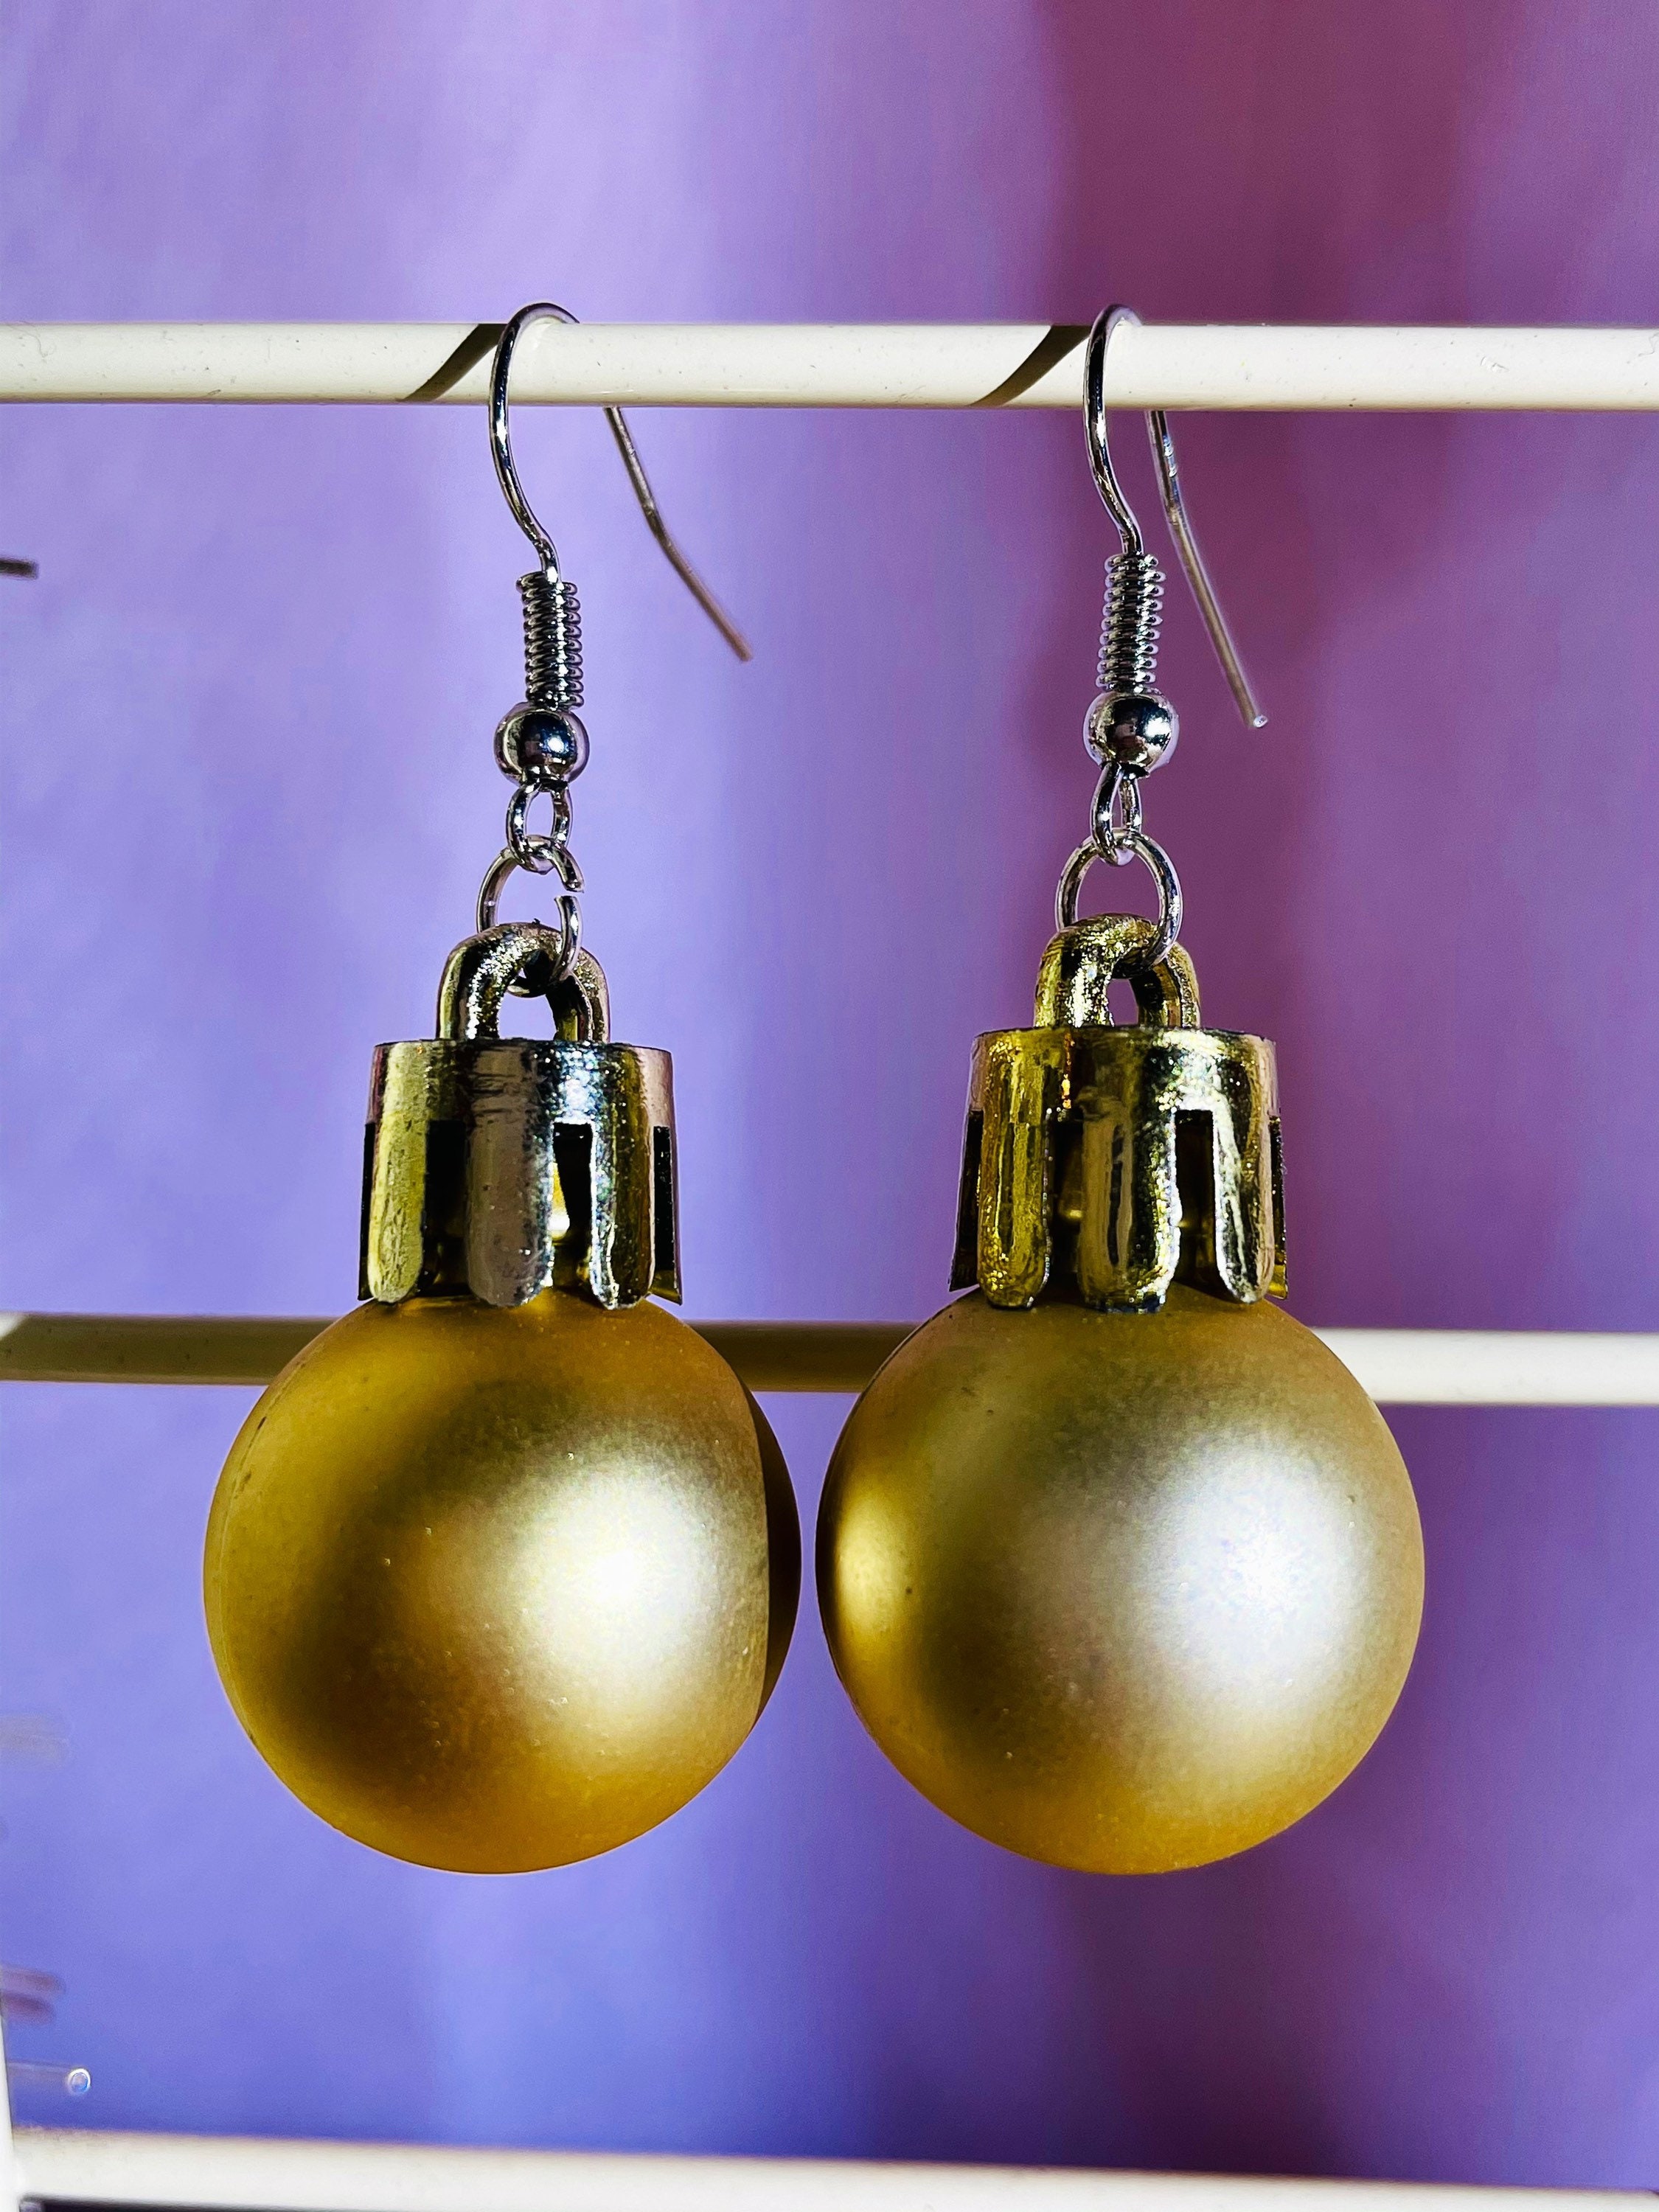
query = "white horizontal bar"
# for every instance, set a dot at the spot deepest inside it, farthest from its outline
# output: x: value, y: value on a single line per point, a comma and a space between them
x: 1500, y: 1367
x: 1250, y: 365
x: 244, y: 2174
x: 1398, y: 1366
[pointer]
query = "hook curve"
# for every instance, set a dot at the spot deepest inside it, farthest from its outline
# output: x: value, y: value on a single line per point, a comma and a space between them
x: 1094, y: 426
x: 1175, y: 507
x: 507, y: 475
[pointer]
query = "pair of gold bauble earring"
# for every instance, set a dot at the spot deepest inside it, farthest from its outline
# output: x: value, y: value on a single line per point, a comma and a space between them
x: 1117, y: 1563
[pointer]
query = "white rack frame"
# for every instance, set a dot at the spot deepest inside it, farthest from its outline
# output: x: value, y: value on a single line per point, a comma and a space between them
x: 230, y: 2173
x: 1250, y: 365
x: 1397, y: 1366
x: 1243, y: 367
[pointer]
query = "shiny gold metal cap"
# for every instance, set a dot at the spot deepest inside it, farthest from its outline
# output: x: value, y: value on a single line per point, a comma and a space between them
x: 504, y: 1166
x: 1106, y: 1164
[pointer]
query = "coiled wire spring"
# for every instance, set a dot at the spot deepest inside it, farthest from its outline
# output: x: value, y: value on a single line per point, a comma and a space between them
x: 552, y: 640
x: 1130, y: 623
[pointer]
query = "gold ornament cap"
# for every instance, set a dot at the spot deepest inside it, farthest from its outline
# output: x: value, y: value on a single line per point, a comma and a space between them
x: 1105, y: 1162
x: 503, y: 1167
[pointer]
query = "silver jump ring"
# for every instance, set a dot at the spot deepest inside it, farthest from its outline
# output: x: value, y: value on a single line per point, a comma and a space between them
x: 1135, y: 842
x: 570, y: 921
x: 534, y: 853
x: 545, y: 856
x: 1116, y: 814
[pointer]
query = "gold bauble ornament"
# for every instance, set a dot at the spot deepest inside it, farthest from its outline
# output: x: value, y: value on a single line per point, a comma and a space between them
x: 490, y: 1588
x: 502, y: 1567
x: 1122, y: 1591
x: 1119, y: 1566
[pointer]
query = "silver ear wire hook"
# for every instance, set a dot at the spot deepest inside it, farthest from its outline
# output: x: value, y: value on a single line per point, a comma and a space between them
x: 1198, y: 576
x: 541, y: 744
x: 1175, y: 509
x: 1130, y: 728
x: 500, y: 447
x: 1094, y: 427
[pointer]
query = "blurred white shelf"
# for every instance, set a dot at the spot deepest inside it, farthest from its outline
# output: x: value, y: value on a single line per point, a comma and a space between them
x: 1252, y: 366
x: 246, y: 2174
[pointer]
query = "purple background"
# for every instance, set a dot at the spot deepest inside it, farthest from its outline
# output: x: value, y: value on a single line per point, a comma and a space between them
x: 247, y: 793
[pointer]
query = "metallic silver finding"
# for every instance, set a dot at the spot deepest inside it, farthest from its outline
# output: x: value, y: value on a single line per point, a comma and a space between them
x: 1133, y: 605
x: 569, y: 923
x: 500, y: 444
x: 1135, y: 731
x: 1116, y: 812
x: 552, y: 640
x: 541, y: 743
x: 544, y: 748
x: 1198, y: 576
x: 1130, y: 728
x: 537, y: 853
x: 1127, y: 844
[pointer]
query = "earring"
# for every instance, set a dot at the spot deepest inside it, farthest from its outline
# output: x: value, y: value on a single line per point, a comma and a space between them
x: 501, y: 1569
x: 1119, y: 1566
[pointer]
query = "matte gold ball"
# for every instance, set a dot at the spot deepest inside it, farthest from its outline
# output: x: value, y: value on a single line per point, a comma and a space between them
x: 1125, y: 1592
x: 495, y: 1590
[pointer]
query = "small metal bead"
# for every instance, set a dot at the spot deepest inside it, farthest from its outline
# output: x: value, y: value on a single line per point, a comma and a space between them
x: 544, y: 746
x: 1137, y: 730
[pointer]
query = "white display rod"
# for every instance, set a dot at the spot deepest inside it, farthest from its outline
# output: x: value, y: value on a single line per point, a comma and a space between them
x: 1173, y: 365
x: 244, y: 2174
x: 1397, y: 1366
